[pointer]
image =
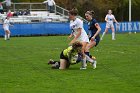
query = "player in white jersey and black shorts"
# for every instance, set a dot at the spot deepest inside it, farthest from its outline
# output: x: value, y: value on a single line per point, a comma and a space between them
x: 110, y: 19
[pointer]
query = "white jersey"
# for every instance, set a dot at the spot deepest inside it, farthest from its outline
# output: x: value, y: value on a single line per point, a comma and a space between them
x: 8, y: 2
x: 75, y: 25
x: 110, y: 18
x: 50, y: 2
x: 6, y: 24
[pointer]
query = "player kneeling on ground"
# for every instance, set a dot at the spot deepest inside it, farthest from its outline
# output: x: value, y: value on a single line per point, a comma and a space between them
x: 68, y: 56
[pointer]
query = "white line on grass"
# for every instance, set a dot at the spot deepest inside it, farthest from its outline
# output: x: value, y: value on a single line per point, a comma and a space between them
x: 117, y: 52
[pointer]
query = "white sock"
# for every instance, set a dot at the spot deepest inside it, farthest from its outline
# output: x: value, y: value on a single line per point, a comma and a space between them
x: 89, y: 59
x: 5, y: 37
x: 102, y: 35
x: 8, y: 36
x: 113, y: 35
x: 84, y: 64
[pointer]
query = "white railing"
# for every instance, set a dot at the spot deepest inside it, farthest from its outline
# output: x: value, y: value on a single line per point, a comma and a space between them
x: 38, y: 7
x: 30, y: 6
x: 61, y: 11
x: 41, y: 7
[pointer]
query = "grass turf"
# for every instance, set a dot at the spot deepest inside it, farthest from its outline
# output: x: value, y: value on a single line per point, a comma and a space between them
x: 24, y: 69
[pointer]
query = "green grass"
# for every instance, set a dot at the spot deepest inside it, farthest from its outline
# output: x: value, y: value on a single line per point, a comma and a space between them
x: 24, y: 69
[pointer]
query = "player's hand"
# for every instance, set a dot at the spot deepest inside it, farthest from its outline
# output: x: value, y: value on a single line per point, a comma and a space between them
x: 93, y: 38
x: 69, y: 37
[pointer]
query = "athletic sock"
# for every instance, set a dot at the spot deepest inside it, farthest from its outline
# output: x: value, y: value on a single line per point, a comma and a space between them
x: 102, y: 35
x: 89, y: 59
x: 8, y: 36
x: 113, y: 35
x: 5, y: 37
x: 84, y: 64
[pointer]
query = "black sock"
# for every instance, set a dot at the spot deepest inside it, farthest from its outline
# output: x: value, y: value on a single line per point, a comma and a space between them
x: 87, y: 53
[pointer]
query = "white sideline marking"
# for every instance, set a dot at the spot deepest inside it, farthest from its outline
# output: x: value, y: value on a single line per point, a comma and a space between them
x: 117, y: 52
x: 120, y: 45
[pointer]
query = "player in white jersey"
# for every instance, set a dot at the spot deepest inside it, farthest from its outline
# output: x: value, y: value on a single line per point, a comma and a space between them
x: 6, y: 25
x: 78, y: 32
x: 110, y: 19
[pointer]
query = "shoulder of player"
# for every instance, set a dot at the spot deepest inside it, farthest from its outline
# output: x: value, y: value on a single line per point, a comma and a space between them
x: 94, y: 21
x: 69, y: 48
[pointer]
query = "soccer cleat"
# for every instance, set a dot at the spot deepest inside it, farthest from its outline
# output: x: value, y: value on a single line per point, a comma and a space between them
x: 92, y: 57
x: 94, y: 64
x: 113, y: 39
x: 83, y: 68
x: 51, y: 62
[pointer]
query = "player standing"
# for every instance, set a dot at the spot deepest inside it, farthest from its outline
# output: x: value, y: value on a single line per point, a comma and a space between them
x: 78, y: 32
x: 6, y: 25
x: 94, y: 30
x: 110, y: 18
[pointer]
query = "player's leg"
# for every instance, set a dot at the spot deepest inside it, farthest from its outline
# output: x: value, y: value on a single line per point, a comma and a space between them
x: 89, y: 46
x: 113, y: 33
x: 8, y: 34
x: 84, y: 64
x: 5, y: 36
x: 63, y: 64
x: 54, y: 64
x: 106, y: 30
x: 92, y: 61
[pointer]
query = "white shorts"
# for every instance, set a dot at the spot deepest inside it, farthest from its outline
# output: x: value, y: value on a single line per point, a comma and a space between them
x: 6, y: 28
x: 83, y: 39
x: 109, y: 25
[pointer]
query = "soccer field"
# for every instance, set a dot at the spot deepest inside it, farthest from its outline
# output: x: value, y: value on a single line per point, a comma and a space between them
x: 24, y: 69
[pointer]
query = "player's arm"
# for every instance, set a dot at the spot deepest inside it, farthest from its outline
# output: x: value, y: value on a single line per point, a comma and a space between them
x: 70, y: 36
x: 98, y: 31
x: 106, y: 19
x: 11, y: 24
x: 115, y: 20
x: 79, y: 30
x: 4, y: 23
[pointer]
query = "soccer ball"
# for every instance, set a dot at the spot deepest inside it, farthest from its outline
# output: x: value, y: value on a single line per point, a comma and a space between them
x: 74, y: 59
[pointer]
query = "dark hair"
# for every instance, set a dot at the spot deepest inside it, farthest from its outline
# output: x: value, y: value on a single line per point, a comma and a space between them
x: 74, y: 12
x: 92, y: 13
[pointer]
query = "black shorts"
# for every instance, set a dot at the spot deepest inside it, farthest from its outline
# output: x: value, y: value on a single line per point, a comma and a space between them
x: 63, y: 57
x: 97, y: 40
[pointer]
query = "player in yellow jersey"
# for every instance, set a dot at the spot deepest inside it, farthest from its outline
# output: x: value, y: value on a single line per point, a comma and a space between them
x: 70, y: 56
